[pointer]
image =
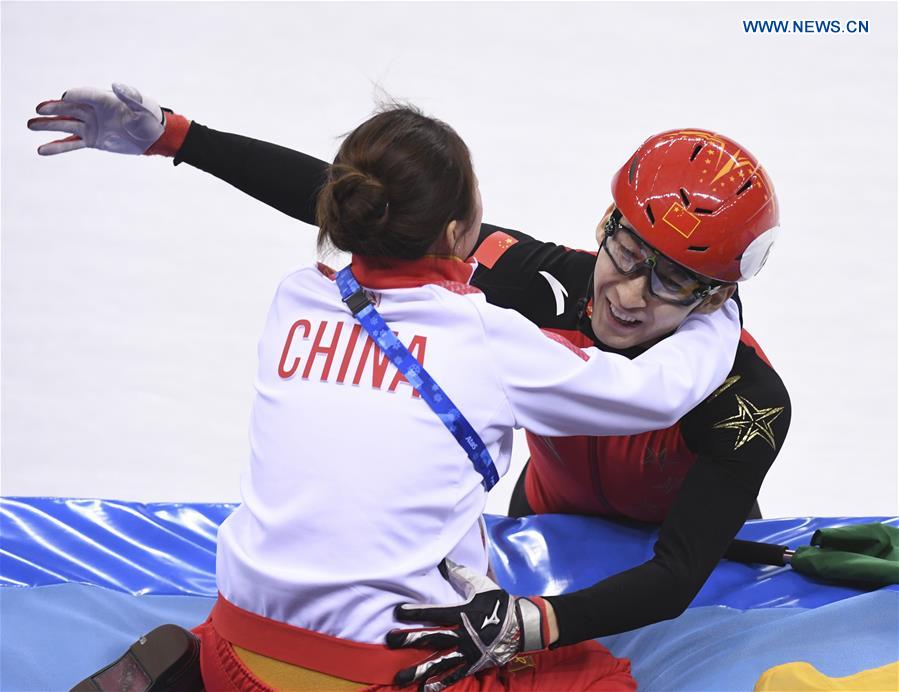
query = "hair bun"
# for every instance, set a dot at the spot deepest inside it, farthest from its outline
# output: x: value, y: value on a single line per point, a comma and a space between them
x: 424, y: 168
x: 360, y: 200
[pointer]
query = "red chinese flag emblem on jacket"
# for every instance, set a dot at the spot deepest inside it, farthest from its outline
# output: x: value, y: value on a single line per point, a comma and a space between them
x: 493, y: 248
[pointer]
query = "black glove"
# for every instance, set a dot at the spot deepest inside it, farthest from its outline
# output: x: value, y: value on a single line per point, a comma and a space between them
x: 489, y: 629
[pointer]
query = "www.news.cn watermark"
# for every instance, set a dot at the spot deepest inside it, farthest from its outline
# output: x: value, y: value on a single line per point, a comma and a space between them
x: 805, y: 26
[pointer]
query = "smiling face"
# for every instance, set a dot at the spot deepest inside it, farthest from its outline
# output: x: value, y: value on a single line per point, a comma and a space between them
x: 626, y: 314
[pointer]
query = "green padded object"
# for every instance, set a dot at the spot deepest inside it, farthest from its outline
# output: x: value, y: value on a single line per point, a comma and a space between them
x: 858, y: 553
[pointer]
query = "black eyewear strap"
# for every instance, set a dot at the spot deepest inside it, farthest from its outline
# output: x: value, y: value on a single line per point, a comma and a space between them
x: 613, y: 225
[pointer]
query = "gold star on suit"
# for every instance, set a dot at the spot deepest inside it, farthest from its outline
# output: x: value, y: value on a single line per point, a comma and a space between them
x: 751, y: 422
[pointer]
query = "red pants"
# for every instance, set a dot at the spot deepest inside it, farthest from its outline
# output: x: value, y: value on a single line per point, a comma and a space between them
x: 586, y: 666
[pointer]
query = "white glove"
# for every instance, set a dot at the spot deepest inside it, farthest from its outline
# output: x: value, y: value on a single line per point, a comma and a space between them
x: 121, y: 121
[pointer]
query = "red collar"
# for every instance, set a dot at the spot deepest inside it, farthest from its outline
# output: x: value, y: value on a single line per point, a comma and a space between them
x: 380, y: 273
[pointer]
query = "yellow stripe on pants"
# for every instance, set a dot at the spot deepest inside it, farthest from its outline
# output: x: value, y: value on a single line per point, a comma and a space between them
x: 286, y: 676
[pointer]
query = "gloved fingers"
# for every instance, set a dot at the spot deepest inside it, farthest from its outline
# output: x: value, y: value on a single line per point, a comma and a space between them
x: 64, y: 108
x: 60, y: 146
x: 59, y: 123
x: 436, y: 614
x: 447, y: 681
x: 428, y: 669
x: 437, y: 638
x: 89, y: 96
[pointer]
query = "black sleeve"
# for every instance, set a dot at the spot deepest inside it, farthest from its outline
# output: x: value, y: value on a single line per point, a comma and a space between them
x: 737, y: 433
x: 282, y: 178
x: 543, y: 281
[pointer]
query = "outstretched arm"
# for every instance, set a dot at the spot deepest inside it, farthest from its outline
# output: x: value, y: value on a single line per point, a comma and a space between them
x: 124, y: 121
x: 737, y: 433
x: 711, y: 507
x: 282, y: 178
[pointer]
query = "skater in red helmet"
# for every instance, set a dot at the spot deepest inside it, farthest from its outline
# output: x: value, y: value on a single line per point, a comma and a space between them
x: 693, y: 213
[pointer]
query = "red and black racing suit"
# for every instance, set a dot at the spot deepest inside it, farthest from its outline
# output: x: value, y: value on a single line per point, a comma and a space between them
x: 698, y: 478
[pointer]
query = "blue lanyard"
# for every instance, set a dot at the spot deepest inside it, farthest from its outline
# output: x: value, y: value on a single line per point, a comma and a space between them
x: 417, y: 376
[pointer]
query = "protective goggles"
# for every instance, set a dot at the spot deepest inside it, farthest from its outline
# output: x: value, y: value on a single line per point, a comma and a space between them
x: 669, y: 282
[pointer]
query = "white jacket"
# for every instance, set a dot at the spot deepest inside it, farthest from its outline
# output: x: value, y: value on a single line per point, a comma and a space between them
x: 356, y: 491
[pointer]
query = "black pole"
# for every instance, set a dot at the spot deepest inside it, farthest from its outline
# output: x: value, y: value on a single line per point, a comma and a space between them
x: 758, y: 553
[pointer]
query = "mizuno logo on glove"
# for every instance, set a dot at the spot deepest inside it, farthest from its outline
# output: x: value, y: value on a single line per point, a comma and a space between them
x: 493, y: 619
x: 463, y: 648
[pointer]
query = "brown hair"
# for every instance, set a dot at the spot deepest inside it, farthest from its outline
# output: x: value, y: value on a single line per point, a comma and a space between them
x: 396, y: 182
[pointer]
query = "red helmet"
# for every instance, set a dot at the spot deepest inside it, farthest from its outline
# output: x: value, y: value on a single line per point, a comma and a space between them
x: 701, y: 200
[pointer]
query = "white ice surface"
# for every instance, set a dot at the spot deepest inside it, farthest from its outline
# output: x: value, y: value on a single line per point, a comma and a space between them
x: 133, y: 292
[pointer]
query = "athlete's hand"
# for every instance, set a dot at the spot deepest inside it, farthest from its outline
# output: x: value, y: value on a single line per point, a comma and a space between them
x: 120, y: 121
x: 489, y: 629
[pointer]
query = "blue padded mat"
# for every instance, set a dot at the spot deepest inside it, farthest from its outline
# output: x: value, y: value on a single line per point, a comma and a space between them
x: 717, y: 648
x: 84, y: 578
x: 65, y: 632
